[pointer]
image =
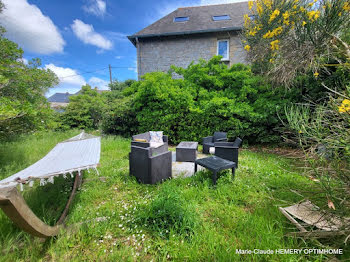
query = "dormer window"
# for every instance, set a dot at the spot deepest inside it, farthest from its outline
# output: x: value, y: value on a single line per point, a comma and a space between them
x: 181, y: 19
x: 221, y: 17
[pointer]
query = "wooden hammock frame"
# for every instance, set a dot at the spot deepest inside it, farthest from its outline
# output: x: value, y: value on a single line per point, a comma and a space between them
x: 17, y: 209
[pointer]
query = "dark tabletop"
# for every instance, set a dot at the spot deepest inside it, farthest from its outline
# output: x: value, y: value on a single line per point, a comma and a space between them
x: 188, y: 145
x: 215, y: 163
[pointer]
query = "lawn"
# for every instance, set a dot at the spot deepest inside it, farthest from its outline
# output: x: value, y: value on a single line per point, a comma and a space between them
x: 236, y: 214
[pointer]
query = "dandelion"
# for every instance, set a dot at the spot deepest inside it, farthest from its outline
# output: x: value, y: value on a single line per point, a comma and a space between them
x: 304, y: 23
x: 316, y: 74
x: 247, y: 47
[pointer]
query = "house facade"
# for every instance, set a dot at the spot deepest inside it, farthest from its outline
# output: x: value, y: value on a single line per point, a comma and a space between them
x: 191, y: 33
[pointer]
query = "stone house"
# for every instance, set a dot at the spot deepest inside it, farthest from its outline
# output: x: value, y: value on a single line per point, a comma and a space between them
x: 190, y: 33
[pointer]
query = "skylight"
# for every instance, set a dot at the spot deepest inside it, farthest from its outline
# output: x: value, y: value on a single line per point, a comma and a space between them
x: 221, y: 17
x: 181, y: 19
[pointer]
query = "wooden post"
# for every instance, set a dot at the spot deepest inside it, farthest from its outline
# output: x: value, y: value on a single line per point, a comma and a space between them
x: 110, y: 74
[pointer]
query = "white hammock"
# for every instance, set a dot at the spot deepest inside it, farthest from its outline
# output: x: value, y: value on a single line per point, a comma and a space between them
x: 81, y: 152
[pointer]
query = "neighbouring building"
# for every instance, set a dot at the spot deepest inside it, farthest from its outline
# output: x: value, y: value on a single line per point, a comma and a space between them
x: 59, y: 101
x: 190, y: 33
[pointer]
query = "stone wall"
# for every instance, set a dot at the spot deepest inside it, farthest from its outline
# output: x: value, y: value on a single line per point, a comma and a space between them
x: 157, y: 54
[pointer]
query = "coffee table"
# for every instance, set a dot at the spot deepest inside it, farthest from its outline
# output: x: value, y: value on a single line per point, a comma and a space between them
x: 186, y: 151
x: 215, y: 164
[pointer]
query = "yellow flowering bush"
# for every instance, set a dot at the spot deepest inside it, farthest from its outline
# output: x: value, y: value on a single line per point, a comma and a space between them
x: 297, y: 35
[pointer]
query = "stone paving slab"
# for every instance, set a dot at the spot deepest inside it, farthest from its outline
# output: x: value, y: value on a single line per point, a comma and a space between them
x: 184, y: 169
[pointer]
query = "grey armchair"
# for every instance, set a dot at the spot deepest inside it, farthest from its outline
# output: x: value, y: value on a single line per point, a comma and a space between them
x: 228, y: 150
x: 146, y: 136
x: 209, y: 141
x: 149, y: 165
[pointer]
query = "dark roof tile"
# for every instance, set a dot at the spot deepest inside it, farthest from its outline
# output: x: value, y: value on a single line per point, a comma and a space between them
x: 59, y: 98
x: 200, y: 20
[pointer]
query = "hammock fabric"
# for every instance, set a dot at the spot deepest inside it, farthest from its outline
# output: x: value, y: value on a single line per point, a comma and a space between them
x: 81, y: 152
x: 76, y: 154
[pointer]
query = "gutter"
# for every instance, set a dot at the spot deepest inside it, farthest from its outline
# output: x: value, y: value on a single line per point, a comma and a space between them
x: 134, y: 38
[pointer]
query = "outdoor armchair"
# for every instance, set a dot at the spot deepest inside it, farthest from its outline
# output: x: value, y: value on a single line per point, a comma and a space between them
x: 149, y: 164
x: 209, y: 141
x: 228, y: 150
x: 144, y: 139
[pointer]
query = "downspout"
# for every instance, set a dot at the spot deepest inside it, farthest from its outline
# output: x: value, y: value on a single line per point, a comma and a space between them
x: 138, y: 48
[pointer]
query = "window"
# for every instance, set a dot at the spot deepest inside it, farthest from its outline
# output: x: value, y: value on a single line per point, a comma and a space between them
x: 223, y: 49
x: 221, y: 17
x: 181, y: 19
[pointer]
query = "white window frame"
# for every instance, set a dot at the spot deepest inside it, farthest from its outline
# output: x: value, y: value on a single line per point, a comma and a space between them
x: 228, y: 49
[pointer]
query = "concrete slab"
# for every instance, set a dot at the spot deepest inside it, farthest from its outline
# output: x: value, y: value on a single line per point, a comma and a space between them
x: 184, y: 169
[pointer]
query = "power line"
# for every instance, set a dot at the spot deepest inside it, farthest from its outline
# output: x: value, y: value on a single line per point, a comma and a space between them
x: 90, y: 72
x: 83, y: 73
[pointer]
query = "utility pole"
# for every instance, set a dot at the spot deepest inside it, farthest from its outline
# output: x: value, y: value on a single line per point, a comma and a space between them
x: 110, y: 73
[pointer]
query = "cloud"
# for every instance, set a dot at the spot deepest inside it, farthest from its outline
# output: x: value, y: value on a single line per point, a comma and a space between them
x: 67, y: 75
x: 118, y: 57
x: 30, y: 28
x: 87, y: 34
x: 216, y: 2
x: 99, y: 83
x: 95, y: 7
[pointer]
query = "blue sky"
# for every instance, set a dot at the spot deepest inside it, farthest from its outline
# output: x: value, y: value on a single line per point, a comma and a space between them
x: 75, y: 37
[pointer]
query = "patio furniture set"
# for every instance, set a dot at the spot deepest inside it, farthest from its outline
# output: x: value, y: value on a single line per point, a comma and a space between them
x: 150, y: 161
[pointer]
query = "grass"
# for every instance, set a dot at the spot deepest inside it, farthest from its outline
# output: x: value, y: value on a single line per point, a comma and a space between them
x: 239, y: 214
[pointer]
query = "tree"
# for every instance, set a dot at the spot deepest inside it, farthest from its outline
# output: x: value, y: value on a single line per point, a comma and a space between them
x: 84, y: 110
x: 23, y: 106
x: 120, y: 86
x: 287, y: 37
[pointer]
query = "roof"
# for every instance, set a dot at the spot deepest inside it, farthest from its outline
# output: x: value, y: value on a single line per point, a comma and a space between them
x: 200, y: 21
x: 64, y: 97
x: 59, y: 98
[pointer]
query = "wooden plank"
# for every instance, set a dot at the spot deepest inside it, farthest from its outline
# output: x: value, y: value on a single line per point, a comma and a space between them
x: 318, y: 234
x: 311, y: 215
x: 291, y: 219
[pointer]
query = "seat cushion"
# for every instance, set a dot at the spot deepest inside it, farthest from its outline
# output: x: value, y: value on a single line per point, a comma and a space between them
x: 156, y: 136
x: 212, y: 150
x: 155, y: 144
x: 140, y: 140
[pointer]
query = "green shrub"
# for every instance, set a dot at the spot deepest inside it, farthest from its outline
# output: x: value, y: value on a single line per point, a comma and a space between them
x: 119, y: 117
x: 210, y: 97
x: 169, y: 212
x: 85, y: 110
